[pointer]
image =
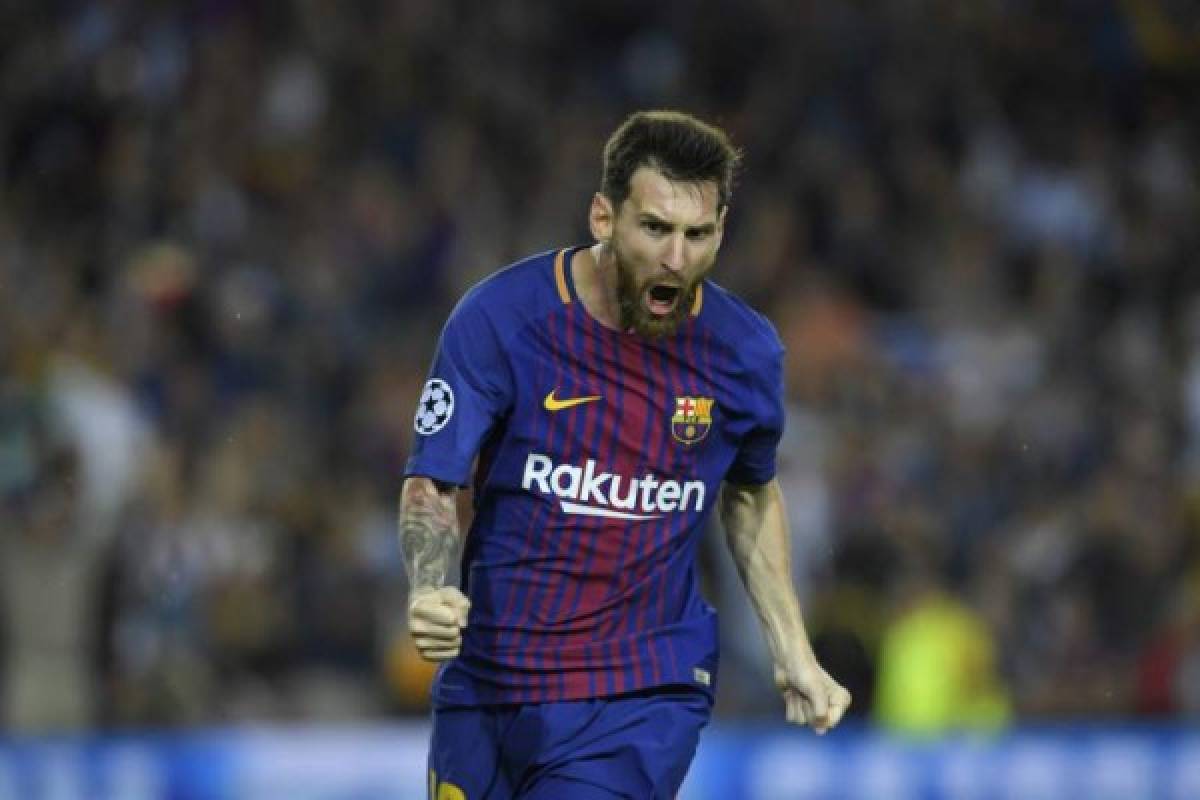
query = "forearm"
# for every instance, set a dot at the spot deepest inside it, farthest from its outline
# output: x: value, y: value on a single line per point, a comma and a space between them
x: 429, y: 532
x: 756, y: 531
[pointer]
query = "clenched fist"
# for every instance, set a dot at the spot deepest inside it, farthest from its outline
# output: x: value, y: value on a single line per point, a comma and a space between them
x: 436, y: 618
x: 811, y: 696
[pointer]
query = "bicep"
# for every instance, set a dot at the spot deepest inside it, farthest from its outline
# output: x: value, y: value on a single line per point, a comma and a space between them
x: 468, y: 391
x: 763, y: 411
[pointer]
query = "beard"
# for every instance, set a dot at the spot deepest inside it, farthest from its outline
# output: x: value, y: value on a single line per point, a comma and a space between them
x: 634, y: 316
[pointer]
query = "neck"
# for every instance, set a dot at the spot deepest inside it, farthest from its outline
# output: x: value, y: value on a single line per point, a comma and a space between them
x: 594, y: 271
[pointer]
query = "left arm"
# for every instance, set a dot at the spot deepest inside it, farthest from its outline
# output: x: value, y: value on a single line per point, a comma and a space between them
x: 756, y: 530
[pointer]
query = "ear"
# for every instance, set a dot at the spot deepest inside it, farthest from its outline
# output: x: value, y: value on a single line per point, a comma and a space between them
x: 721, y: 225
x: 601, y: 218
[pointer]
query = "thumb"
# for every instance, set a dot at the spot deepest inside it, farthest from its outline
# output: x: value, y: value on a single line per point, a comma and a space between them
x: 457, y: 601
x: 820, y: 703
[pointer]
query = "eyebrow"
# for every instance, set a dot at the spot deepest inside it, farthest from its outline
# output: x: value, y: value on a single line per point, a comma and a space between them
x: 649, y: 216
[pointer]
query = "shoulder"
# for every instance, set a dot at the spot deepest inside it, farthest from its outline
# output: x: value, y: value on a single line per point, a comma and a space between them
x: 748, y: 332
x: 513, y: 295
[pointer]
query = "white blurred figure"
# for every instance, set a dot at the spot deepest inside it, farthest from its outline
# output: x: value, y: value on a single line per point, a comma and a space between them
x: 90, y: 443
x: 99, y: 418
x: 49, y: 574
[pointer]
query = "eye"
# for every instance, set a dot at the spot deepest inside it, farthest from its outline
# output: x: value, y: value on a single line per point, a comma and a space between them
x: 699, y: 234
x: 655, y: 226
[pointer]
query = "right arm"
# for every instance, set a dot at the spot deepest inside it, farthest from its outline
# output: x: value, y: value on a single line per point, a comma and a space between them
x: 430, y: 540
x: 469, y: 389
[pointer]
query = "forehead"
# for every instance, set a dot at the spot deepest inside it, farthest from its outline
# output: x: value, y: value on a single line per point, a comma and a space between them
x: 678, y: 202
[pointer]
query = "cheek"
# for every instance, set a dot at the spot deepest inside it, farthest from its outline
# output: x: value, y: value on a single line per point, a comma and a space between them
x: 702, y: 254
x: 630, y: 260
x: 638, y: 252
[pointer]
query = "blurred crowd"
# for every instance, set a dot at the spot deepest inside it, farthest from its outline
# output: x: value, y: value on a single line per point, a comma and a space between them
x: 231, y: 229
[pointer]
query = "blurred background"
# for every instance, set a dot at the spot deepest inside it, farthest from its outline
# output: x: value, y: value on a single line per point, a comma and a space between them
x: 230, y: 231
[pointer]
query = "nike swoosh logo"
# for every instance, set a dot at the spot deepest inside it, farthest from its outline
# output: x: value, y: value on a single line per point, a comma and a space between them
x: 552, y: 403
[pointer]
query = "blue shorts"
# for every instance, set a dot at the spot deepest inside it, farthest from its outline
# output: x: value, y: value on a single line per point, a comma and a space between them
x: 635, y: 746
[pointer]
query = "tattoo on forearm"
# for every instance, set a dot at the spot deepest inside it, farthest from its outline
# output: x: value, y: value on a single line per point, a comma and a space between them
x: 428, y: 532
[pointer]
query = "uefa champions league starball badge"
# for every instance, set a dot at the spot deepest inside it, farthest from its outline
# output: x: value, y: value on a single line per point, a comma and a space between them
x: 435, y: 407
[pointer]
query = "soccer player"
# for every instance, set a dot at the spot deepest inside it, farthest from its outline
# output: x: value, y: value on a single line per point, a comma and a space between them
x: 613, y: 396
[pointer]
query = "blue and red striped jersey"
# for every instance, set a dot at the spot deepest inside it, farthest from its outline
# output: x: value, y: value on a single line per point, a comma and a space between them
x: 598, y: 456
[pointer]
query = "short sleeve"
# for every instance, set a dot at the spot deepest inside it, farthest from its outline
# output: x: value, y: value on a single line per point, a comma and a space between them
x: 468, y: 389
x: 754, y: 463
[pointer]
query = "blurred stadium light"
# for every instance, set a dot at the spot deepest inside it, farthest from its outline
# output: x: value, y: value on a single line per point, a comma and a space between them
x: 388, y: 763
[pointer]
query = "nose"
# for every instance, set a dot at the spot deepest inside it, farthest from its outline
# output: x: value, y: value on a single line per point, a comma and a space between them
x: 673, y: 258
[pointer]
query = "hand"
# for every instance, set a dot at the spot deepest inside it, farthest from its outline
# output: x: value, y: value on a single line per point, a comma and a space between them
x: 436, y: 618
x: 811, y: 696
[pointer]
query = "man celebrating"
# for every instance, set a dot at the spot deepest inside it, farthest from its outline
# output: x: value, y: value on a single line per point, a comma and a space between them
x: 612, y: 395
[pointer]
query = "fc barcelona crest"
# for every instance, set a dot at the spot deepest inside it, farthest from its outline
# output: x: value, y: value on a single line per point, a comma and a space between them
x: 693, y: 418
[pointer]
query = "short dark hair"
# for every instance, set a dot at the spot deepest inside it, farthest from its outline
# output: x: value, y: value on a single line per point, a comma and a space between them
x: 680, y: 146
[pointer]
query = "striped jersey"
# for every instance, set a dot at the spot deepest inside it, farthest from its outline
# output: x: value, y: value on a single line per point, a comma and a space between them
x: 597, y: 460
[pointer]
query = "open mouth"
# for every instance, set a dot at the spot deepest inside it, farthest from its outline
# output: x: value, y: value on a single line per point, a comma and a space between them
x: 661, y: 299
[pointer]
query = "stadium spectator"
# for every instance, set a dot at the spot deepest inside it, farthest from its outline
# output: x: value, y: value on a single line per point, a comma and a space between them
x: 974, y: 224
